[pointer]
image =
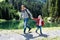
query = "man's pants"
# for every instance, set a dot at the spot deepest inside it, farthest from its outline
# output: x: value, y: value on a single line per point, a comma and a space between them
x: 26, y: 24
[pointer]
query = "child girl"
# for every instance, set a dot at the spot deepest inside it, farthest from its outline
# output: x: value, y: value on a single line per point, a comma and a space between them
x: 39, y: 23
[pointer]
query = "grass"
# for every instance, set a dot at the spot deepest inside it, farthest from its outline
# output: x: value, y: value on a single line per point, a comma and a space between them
x: 2, y: 20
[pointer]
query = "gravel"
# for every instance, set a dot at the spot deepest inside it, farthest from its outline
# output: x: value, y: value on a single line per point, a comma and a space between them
x: 10, y: 35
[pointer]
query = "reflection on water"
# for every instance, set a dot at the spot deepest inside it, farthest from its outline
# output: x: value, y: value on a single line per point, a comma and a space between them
x: 15, y: 24
x: 19, y: 24
x: 10, y: 25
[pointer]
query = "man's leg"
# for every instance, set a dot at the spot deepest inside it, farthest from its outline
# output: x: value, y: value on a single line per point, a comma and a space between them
x: 25, y: 25
x: 29, y: 27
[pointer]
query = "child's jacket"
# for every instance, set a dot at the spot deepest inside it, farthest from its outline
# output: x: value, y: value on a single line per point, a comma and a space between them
x: 39, y: 22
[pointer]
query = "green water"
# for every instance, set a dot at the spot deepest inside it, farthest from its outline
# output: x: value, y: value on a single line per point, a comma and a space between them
x: 9, y: 25
x: 19, y: 24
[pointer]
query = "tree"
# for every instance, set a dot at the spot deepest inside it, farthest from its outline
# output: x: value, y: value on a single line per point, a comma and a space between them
x: 7, y: 11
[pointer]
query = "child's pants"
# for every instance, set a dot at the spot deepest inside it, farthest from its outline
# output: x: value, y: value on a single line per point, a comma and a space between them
x: 39, y: 27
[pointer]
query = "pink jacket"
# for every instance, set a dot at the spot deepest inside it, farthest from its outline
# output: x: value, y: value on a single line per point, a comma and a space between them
x: 38, y: 21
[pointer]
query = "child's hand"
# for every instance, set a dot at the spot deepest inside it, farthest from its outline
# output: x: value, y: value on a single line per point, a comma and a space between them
x: 31, y: 17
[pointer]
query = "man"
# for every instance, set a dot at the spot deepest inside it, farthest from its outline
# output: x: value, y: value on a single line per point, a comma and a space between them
x: 25, y: 16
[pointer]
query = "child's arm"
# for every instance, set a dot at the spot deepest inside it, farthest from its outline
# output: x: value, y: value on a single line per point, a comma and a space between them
x: 35, y: 19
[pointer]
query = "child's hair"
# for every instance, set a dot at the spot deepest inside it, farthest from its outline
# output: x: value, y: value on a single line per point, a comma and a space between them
x: 39, y: 15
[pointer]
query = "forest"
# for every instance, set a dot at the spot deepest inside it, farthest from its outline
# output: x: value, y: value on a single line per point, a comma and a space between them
x: 49, y: 9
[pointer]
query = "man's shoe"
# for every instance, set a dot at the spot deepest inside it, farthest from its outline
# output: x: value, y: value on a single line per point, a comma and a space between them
x: 29, y: 29
x: 36, y: 31
x: 24, y: 33
x: 41, y: 33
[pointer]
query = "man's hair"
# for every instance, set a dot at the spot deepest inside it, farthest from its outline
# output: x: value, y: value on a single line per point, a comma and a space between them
x: 23, y: 5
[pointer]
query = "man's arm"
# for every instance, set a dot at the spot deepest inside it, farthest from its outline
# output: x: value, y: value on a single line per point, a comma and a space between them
x: 30, y: 13
x: 21, y: 15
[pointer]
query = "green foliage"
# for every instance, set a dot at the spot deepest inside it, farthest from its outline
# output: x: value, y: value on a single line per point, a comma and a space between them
x: 7, y: 11
x: 34, y: 7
